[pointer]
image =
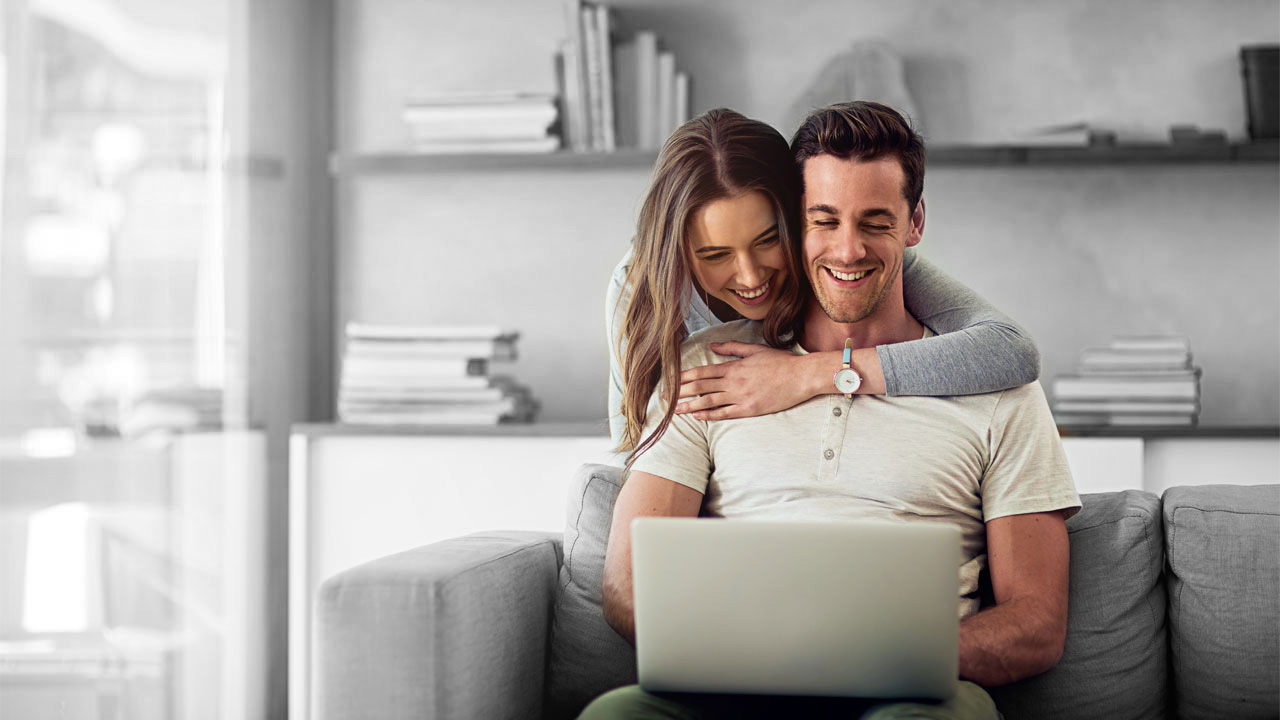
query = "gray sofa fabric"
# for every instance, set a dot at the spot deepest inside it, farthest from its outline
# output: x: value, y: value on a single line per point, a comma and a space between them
x: 469, y: 628
x: 1114, y: 664
x: 587, y: 657
x: 1224, y: 600
x: 457, y: 629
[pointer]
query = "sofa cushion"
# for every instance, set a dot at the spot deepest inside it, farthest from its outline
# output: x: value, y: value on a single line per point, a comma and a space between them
x: 1114, y: 662
x: 1224, y: 602
x: 587, y: 657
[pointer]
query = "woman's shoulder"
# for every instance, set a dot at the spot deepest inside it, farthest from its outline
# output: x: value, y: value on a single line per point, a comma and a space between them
x: 697, y: 348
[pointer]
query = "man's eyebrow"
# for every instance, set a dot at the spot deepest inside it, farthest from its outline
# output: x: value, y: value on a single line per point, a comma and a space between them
x: 712, y: 248
x: 879, y: 212
x: 821, y: 208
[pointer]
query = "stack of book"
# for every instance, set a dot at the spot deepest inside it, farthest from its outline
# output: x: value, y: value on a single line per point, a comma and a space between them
x: 617, y: 93
x: 1134, y: 381
x: 396, y: 375
x: 482, y: 122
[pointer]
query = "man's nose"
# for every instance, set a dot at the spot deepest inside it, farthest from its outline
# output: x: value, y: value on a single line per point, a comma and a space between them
x: 847, y: 245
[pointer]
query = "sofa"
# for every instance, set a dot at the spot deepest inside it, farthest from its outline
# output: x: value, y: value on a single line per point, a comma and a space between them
x: 1174, y: 612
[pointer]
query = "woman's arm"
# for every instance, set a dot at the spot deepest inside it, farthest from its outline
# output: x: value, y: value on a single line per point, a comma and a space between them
x: 616, y: 297
x: 976, y: 350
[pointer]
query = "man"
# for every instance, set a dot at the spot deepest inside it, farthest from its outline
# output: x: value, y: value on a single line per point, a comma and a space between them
x: 991, y: 464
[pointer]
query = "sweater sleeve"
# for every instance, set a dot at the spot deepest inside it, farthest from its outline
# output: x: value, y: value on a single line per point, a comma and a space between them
x: 976, y: 349
x: 616, y: 297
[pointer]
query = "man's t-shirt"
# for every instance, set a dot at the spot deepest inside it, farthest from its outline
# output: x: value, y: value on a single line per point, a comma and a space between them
x: 962, y: 460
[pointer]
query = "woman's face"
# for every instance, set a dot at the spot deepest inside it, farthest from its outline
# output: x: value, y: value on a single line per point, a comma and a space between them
x: 736, y: 252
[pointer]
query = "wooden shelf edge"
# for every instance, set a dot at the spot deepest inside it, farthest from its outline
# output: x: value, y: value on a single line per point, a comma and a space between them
x: 422, y: 163
x: 407, y: 162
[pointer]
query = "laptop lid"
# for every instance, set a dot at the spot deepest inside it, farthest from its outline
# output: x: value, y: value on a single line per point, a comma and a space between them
x: 854, y: 609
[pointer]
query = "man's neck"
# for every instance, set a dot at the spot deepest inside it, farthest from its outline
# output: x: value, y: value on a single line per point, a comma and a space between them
x: 890, y: 323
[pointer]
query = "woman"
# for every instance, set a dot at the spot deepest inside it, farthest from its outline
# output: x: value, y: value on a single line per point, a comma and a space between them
x: 719, y: 175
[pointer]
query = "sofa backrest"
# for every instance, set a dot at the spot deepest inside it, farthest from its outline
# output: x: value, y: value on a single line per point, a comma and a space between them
x: 1223, y: 544
x: 1114, y: 663
x: 587, y: 657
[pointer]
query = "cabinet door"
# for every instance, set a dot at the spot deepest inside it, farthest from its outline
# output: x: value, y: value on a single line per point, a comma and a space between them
x: 1105, y: 464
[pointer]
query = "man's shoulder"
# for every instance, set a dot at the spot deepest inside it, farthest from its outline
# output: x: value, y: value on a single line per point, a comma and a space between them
x: 697, y: 348
x: 1030, y: 394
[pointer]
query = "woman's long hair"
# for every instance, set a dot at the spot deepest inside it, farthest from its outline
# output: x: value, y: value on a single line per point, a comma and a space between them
x: 719, y: 154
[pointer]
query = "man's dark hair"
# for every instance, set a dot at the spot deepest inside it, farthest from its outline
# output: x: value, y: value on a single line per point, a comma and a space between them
x: 864, y: 130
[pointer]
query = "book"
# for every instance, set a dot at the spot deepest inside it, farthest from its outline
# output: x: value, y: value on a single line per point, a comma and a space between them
x: 604, y: 38
x: 590, y: 33
x: 665, y: 110
x: 681, y: 99
x: 496, y: 349
x: 487, y: 122
x: 1139, y: 407
x: 478, y: 98
x: 357, y: 367
x: 576, y: 80
x: 1138, y: 419
x: 1123, y: 420
x: 626, y: 88
x: 1141, y: 372
x: 412, y: 386
x: 498, y: 407
x: 466, y: 147
x: 647, y: 89
x: 574, y: 123
x: 1069, y: 387
x: 1108, y: 357
x: 369, y: 395
x: 541, y: 108
x: 427, y: 332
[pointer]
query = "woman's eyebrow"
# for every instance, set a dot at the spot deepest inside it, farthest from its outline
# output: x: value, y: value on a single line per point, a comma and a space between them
x: 711, y: 248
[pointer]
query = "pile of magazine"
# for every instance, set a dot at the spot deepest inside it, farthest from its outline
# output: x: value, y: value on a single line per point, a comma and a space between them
x: 1134, y: 381
x: 618, y: 92
x: 398, y: 375
x: 482, y: 122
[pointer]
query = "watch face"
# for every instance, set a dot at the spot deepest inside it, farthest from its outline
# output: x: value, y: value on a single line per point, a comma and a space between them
x: 848, y: 380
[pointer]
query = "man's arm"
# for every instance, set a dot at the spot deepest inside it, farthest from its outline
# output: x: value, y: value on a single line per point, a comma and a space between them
x: 642, y: 495
x: 1023, y: 634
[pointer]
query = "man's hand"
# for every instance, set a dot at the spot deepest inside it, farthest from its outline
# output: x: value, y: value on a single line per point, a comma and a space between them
x: 1024, y: 632
x: 642, y: 495
x: 765, y: 380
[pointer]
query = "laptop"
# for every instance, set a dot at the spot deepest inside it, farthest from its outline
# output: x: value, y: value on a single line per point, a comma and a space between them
x: 851, y: 609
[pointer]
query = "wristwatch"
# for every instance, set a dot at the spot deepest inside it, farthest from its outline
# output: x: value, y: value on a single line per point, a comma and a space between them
x: 847, y: 379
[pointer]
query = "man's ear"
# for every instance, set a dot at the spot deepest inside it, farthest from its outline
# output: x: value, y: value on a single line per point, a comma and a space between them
x: 917, y: 225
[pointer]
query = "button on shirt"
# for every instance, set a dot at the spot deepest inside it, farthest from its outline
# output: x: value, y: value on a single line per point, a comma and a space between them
x: 960, y: 460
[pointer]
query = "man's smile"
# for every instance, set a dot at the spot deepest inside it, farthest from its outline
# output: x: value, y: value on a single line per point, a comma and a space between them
x: 843, y: 279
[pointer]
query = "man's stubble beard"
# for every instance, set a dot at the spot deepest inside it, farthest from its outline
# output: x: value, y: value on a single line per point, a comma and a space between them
x: 847, y: 315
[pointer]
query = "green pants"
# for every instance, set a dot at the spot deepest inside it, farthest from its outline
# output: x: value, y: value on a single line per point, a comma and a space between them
x: 970, y: 703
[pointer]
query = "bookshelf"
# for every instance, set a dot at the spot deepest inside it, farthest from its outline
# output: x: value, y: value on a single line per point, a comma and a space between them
x: 392, y: 162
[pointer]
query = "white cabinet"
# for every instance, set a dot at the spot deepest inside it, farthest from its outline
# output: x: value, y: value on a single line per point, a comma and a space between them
x: 357, y: 494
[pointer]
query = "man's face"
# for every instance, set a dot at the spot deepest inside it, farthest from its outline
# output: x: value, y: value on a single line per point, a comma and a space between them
x: 856, y: 227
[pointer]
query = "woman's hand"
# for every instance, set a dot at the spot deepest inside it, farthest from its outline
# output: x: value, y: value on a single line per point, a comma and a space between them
x: 765, y: 380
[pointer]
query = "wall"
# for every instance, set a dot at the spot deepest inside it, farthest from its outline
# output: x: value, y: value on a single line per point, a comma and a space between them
x: 1076, y: 254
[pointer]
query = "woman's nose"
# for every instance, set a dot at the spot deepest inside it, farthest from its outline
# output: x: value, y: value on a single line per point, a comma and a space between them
x: 749, y: 274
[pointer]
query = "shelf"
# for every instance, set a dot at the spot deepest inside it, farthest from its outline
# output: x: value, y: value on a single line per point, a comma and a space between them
x: 1148, y: 154
x: 390, y: 163
x: 547, y: 429
x: 943, y: 155
x: 1154, y: 433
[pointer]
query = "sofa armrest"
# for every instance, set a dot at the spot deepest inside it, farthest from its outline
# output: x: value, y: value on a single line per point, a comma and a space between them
x: 457, y: 629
